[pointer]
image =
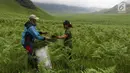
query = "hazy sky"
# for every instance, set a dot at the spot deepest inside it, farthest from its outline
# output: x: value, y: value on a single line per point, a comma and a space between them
x: 85, y: 3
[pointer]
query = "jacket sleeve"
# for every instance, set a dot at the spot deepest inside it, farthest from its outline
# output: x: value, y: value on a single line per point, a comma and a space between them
x: 23, y: 36
x: 35, y: 33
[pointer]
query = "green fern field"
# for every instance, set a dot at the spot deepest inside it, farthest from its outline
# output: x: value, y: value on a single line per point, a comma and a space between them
x: 101, y: 44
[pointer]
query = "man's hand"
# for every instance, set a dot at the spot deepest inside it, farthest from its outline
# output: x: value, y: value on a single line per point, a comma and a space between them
x: 44, y: 32
x: 47, y: 38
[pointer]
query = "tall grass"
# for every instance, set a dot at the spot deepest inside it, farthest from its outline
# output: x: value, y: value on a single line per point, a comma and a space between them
x: 97, y: 48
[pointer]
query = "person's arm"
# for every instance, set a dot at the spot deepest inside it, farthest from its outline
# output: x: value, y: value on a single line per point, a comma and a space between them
x: 35, y: 33
x: 63, y: 36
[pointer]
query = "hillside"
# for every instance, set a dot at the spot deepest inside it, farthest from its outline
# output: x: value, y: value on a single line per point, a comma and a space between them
x: 59, y: 8
x: 114, y: 9
x: 20, y: 8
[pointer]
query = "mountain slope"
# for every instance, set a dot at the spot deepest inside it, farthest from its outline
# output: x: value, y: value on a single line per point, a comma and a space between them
x: 27, y: 4
x: 59, y: 8
x: 20, y: 8
x: 114, y: 9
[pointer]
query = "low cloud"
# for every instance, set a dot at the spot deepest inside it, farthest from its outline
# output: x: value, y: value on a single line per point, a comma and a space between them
x: 84, y: 3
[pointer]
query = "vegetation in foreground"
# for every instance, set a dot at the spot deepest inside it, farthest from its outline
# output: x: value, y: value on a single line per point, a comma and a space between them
x: 101, y: 44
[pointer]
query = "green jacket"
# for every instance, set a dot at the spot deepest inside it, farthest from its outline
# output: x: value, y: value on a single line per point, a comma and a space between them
x: 68, y: 40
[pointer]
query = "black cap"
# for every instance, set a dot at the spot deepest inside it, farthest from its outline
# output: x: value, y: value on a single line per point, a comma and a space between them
x: 66, y: 22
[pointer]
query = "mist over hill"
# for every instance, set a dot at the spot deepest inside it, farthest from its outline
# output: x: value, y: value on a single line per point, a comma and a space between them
x: 114, y: 9
x: 59, y: 8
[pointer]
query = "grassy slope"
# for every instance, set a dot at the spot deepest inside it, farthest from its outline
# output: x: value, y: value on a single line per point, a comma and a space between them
x: 11, y: 8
